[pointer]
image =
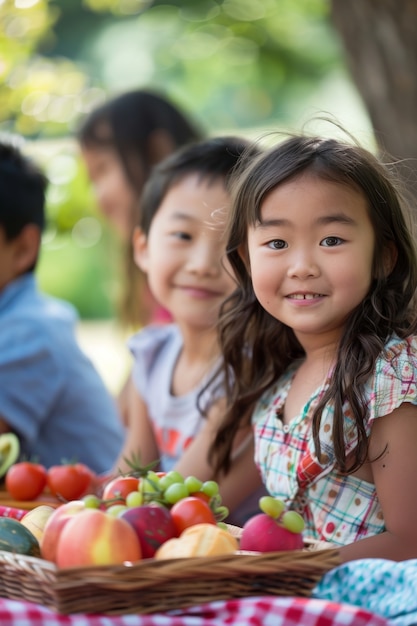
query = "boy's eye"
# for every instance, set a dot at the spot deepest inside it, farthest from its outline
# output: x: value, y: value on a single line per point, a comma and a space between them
x: 329, y: 242
x: 182, y: 235
x: 277, y: 244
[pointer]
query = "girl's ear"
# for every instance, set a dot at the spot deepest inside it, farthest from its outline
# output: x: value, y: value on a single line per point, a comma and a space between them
x: 390, y: 258
x: 26, y: 248
x: 140, y: 249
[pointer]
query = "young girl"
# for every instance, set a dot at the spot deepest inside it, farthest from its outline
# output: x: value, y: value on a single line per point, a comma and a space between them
x: 121, y: 141
x: 318, y: 343
x: 179, y: 244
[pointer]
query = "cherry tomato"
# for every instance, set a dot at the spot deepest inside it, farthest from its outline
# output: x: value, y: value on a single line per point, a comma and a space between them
x: 190, y: 511
x: 25, y: 480
x: 117, y: 489
x: 69, y: 482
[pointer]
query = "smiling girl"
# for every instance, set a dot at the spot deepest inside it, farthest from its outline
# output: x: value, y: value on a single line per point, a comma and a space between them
x: 318, y: 343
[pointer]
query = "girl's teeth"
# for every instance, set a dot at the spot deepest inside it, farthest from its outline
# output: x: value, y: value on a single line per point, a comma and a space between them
x: 306, y: 296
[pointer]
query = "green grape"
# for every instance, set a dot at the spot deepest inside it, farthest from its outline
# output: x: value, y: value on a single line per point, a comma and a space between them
x: 179, y: 478
x: 153, y: 478
x: 115, y: 509
x: 171, y: 478
x: 210, y: 488
x: 148, y: 487
x: 193, y: 484
x: 134, y: 498
x: 222, y: 525
x: 91, y: 501
x: 271, y: 506
x: 292, y: 521
x: 176, y: 492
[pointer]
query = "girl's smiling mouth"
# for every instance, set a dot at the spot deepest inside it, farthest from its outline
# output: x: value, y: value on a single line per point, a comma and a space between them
x: 305, y: 296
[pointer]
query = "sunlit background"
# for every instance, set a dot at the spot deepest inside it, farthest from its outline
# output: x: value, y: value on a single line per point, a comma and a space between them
x: 233, y: 65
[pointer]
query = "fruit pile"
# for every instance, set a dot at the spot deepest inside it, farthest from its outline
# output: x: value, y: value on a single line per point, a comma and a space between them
x: 151, y: 515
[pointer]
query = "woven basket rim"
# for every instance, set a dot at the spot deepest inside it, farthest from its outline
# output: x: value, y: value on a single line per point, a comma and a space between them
x: 151, y: 585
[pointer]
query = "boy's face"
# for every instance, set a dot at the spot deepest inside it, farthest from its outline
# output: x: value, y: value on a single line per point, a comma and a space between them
x: 184, y: 253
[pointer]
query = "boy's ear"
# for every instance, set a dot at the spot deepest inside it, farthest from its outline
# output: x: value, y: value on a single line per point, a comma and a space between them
x: 140, y: 249
x: 26, y: 248
x: 243, y: 253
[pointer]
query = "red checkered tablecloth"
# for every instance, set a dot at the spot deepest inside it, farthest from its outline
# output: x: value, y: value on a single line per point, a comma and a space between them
x: 259, y: 611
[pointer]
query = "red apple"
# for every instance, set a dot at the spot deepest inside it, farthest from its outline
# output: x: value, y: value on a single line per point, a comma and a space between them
x: 94, y: 538
x: 262, y: 533
x: 152, y: 524
x: 55, y: 524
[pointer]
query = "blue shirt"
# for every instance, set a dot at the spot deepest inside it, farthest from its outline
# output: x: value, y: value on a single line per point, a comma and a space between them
x: 50, y: 393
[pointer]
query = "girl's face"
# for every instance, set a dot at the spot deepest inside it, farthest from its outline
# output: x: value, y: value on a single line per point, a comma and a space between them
x: 184, y: 252
x: 114, y: 193
x: 311, y: 257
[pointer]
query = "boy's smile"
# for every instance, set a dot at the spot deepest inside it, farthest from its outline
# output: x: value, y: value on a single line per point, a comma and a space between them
x: 184, y: 253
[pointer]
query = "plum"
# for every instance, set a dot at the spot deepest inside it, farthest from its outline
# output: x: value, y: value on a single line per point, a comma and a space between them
x: 153, y: 525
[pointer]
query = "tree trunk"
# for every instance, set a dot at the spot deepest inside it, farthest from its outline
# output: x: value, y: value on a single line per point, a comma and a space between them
x: 380, y: 41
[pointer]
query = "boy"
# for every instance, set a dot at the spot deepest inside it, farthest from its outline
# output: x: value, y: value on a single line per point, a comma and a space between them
x: 50, y: 394
x: 179, y: 243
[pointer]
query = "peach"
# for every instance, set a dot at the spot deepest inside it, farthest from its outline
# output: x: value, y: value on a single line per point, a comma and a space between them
x: 94, y: 538
x: 54, y: 526
x: 262, y: 533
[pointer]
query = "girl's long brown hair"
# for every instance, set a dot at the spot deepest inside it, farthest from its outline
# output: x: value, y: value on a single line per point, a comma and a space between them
x: 257, y: 348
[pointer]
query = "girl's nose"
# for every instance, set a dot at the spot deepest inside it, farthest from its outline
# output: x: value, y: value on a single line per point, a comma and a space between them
x: 303, y: 265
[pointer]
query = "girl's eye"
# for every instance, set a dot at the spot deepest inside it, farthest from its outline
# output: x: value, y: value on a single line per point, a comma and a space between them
x: 277, y: 244
x: 329, y: 242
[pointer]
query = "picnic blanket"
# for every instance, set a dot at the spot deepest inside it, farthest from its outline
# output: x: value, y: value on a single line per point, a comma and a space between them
x: 377, y: 585
x: 254, y: 611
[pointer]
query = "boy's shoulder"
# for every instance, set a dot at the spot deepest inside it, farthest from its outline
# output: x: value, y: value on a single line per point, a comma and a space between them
x: 29, y: 317
x: 155, y: 337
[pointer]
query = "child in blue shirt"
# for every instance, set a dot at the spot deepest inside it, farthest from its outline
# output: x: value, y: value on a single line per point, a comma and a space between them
x: 50, y: 394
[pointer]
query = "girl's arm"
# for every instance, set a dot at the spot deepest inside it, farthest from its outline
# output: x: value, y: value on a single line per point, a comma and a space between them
x: 243, y: 478
x: 393, y: 446
x: 140, y: 439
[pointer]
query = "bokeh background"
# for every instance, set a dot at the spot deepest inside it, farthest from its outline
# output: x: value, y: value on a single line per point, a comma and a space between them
x: 244, y: 66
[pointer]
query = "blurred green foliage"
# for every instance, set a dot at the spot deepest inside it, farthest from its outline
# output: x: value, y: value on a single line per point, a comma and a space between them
x: 233, y: 64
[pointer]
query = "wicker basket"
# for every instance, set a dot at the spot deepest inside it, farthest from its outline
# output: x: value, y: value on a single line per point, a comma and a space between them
x: 151, y: 586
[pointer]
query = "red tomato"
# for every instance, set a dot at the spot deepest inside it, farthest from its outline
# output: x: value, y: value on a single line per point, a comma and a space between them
x: 117, y: 489
x: 69, y: 482
x: 25, y: 480
x: 190, y: 511
x: 201, y: 496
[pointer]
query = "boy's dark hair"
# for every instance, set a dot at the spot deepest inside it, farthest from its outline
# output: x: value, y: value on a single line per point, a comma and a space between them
x: 22, y: 191
x: 211, y: 159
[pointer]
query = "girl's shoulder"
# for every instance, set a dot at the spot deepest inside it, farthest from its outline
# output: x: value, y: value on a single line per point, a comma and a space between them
x: 398, y: 356
x: 395, y: 376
